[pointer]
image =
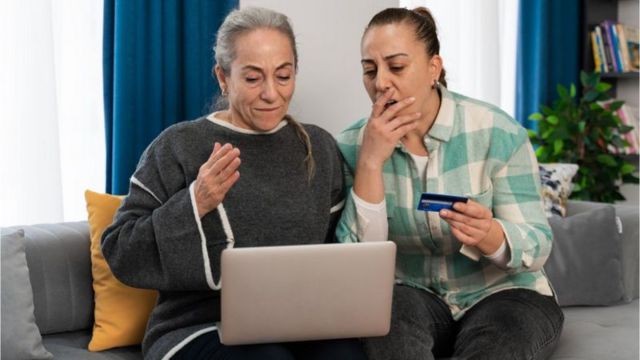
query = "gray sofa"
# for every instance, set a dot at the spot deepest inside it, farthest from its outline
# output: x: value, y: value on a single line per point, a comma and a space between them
x: 59, y: 265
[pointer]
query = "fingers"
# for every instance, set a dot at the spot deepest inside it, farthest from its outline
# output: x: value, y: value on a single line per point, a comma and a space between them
x: 470, y: 232
x: 473, y: 209
x: 392, y: 110
x: 379, y: 105
x: 401, y: 125
x: 218, y: 152
x: 226, y: 164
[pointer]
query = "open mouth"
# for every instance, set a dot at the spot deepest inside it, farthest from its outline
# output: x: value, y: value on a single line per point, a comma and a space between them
x: 389, y: 103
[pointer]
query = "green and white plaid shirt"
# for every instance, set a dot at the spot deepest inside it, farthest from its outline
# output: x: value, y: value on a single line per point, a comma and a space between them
x: 475, y: 150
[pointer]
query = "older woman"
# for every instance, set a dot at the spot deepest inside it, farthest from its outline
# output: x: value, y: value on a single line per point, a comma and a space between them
x: 248, y: 175
x: 470, y: 279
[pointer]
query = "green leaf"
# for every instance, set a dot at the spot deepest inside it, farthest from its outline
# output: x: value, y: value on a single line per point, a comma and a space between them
x: 562, y: 91
x: 572, y: 91
x: 616, y: 105
x: 581, y: 125
x: 553, y: 120
x: 602, y: 87
x: 557, y: 146
x: 532, y: 134
x: 546, y: 110
x: 591, y: 95
x: 623, y: 129
x: 607, y: 160
x: 627, y: 169
x: 535, y: 117
x: 584, y: 78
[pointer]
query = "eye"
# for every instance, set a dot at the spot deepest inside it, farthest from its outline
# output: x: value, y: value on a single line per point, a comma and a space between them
x: 369, y: 72
x: 251, y: 80
x: 396, y: 68
x: 284, y: 77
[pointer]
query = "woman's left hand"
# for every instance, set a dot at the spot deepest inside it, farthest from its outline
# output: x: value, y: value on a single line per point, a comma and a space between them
x: 473, y: 225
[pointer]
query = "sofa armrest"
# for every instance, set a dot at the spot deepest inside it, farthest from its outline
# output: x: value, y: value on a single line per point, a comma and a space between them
x: 629, y: 216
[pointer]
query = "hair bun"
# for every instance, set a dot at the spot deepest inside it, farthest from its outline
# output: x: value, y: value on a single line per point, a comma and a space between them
x: 423, y: 11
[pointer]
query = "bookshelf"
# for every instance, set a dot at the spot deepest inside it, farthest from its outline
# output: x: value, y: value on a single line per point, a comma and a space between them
x: 625, y: 84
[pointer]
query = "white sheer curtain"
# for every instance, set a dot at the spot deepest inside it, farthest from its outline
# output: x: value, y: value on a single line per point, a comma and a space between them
x: 51, y: 114
x: 478, y: 44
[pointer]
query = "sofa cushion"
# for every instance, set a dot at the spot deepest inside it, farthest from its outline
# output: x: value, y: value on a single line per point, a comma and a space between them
x: 73, y: 346
x: 60, y: 273
x: 585, y: 264
x: 20, y: 336
x: 121, y: 312
x: 599, y: 332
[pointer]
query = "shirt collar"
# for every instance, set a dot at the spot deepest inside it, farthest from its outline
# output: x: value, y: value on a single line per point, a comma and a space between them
x: 443, y: 125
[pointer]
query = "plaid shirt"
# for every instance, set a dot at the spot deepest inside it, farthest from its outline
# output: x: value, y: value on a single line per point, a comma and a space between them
x: 475, y: 150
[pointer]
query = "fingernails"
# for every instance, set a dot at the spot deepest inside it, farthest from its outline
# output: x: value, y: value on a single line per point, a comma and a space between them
x: 444, y: 212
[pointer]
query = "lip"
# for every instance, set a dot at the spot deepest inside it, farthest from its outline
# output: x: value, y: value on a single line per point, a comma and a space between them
x: 389, y: 103
x: 268, y: 109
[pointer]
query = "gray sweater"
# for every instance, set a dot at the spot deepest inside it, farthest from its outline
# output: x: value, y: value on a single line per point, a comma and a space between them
x: 158, y: 242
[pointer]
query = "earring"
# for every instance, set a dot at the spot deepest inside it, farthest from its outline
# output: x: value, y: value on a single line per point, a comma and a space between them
x: 223, y: 91
x: 436, y: 84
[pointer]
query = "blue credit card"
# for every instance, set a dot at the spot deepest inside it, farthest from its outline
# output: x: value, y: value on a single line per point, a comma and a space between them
x: 437, y: 202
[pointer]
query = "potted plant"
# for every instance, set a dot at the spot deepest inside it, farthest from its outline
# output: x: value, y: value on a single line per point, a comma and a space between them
x: 586, y: 131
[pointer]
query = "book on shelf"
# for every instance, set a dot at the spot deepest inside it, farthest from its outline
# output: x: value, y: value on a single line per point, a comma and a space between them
x: 623, y: 47
x: 633, y: 45
x: 599, y: 65
x: 615, y: 47
x: 610, y: 29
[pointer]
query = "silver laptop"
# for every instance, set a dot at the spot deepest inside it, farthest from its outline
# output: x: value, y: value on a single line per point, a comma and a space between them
x: 306, y: 292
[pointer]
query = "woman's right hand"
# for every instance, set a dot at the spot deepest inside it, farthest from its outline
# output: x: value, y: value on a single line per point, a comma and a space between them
x: 215, y: 177
x: 384, y: 130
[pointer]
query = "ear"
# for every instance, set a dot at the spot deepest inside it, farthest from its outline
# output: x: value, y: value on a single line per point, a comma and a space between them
x: 222, y: 78
x: 435, y: 67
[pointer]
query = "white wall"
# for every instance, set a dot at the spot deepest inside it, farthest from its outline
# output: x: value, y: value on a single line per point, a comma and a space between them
x: 329, y: 90
x: 627, y: 89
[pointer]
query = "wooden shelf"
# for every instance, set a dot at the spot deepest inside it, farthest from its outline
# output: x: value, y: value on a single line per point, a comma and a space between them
x: 624, y: 75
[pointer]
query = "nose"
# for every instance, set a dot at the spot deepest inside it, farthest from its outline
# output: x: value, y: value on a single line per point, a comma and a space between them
x: 383, y: 82
x: 269, y: 93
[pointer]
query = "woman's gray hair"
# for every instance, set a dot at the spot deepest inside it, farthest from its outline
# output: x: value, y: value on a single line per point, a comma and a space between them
x: 243, y: 21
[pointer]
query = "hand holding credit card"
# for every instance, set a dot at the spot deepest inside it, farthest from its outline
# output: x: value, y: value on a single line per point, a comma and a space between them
x: 437, y: 202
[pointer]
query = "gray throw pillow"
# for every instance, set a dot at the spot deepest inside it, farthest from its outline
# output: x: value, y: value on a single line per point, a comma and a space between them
x: 20, y: 336
x: 585, y: 265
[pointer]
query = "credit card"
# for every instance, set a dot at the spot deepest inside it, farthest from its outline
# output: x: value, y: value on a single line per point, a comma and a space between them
x: 437, y: 202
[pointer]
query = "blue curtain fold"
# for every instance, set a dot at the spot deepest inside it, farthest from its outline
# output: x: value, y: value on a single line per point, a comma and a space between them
x: 157, y: 69
x: 549, y: 53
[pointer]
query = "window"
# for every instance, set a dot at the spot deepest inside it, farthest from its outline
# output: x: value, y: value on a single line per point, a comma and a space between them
x: 51, y: 110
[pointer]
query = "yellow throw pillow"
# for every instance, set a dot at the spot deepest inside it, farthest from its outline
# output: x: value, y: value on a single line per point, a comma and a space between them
x: 121, y: 312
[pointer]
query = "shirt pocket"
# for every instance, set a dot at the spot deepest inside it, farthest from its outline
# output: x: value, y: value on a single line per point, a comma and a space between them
x: 484, y: 198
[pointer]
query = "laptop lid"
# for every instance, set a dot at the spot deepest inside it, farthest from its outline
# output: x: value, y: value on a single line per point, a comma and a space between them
x: 306, y: 292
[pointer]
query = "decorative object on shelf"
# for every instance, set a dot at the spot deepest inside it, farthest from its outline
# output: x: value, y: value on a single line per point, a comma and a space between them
x: 581, y: 131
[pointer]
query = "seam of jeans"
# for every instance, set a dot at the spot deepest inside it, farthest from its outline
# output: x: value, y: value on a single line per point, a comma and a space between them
x: 556, y: 335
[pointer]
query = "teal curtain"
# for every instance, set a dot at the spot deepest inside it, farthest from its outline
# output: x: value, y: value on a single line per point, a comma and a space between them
x: 549, y: 48
x: 157, y: 61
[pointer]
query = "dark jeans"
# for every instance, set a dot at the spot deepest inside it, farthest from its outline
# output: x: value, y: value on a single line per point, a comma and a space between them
x: 208, y: 347
x: 511, y: 324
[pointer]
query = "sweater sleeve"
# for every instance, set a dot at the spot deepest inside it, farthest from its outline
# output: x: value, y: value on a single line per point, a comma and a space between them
x: 157, y: 240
